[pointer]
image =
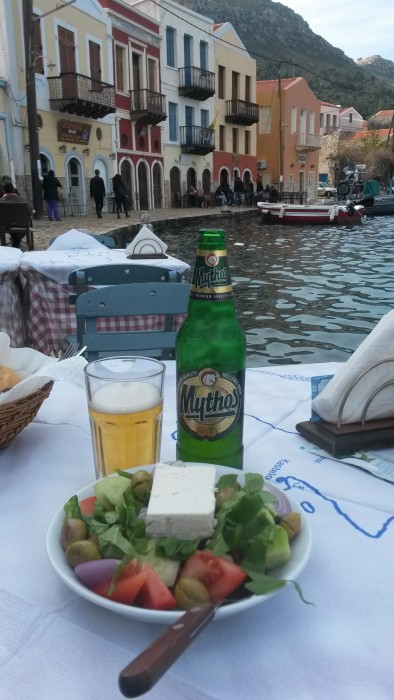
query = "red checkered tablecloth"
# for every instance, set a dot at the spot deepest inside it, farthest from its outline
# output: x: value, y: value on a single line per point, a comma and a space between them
x: 50, y: 318
x: 11, y: 316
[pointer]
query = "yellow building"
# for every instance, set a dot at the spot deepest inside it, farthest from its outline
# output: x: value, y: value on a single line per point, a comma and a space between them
x: 71, y: 60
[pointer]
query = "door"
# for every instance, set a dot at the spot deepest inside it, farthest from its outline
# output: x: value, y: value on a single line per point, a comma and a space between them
x: 95, y: 65
x: 187, y: 54
x: 157, y: 187
x: 125, y: 172
x: 189, y: 118
x: 67, y: 63
x: 137, y: 81
x: 143, y: 194
x: 175, y: 187
x: 206, y: 181
x: 301, y: 181
x: 75, y: 186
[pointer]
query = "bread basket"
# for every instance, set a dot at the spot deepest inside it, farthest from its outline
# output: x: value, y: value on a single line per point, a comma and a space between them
x: 16, y: 415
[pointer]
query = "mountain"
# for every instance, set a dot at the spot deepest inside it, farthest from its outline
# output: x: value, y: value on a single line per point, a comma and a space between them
x: 380, y: 67
x: 273, y: 33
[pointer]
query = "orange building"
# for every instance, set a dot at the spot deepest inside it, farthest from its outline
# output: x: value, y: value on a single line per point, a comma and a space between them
x: 288, y: 135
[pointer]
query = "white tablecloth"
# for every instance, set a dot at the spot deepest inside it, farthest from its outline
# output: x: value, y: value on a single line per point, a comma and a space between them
x: 56, y: 645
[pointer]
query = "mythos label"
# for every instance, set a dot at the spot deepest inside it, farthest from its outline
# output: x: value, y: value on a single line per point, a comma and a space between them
x: 210, y: 403
x: 211, y: 277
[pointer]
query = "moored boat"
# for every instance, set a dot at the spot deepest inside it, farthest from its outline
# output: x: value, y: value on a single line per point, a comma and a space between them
x: 338, y: 213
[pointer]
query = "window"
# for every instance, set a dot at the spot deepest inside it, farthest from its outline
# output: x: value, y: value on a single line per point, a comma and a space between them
x: 350, y: 118
x: 120, y: 64
x: 334, y: 121
x: 170, y: 45
x: 265, y: 120
x: 95, y: 64
x: 234, y: 85
x: 152, y: 73
x: 66, y: 51
x: 311, y: 122
x: 321, y: 121
x: 37, y: 46
x: 293, y: 120
x: 247, y: 88
x: 235, y: 140
x: 247, y: 143
x: 136, y: 68
x: 205, y: 118
x: 203, y: 54
x: 222, y: 134
x: 173, y: 121
x: 328, y: 121
x: 221, y: 81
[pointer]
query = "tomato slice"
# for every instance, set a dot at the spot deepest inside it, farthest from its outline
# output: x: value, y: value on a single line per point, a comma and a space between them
x: 219, y: 576
x: 87, y: 505
x: 154, y: 594
x: 126, y: 586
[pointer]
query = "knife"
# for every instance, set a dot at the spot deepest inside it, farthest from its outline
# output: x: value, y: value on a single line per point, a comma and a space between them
x: 145, y: 670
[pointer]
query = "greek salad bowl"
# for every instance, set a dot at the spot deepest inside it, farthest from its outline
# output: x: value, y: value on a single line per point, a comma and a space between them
x: 289, y: 571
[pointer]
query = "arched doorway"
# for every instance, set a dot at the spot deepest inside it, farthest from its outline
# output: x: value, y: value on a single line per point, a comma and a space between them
x: 224, y: 177
x: 45, y: 164
x: 157, y: 187
x: 125, y: 173
x: 191, y: 179
x: 206, y: 181
x: 175, y: 187
x: 142, y: 179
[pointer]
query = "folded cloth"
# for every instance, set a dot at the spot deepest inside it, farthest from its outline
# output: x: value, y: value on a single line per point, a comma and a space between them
x: 146, y: 244
x: 73, y: 239
x: 363, y: 376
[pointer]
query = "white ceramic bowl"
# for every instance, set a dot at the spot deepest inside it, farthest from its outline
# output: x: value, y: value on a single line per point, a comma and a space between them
x: 300, y: 552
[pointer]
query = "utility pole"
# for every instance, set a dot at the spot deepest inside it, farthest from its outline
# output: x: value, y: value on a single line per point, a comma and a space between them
x: 280, y: 131
x: 31, y: 107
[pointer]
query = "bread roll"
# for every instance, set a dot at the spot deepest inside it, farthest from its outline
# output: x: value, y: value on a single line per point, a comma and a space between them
x: 8, y: 378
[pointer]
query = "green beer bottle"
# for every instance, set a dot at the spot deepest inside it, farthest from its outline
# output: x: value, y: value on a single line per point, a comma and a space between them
x: 210, y: 359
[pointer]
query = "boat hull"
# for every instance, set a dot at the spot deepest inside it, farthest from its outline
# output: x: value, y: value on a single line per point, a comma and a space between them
x: 310, y: 214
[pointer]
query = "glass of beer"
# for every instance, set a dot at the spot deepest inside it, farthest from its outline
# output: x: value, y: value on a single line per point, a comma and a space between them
x: 125, y: 400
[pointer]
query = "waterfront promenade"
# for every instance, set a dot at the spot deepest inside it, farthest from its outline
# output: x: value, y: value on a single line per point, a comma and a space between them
x: 44, y: 229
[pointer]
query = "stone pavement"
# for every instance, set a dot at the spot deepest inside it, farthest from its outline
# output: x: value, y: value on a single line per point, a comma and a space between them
x: 44, y: 229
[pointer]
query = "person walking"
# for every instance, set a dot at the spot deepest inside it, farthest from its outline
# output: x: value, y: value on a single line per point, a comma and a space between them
x: 97, y: 192
x: 50, y: 185
x: 121, y: 196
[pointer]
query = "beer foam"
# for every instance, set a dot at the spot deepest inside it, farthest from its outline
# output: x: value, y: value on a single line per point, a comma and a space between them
x: 125, y: 397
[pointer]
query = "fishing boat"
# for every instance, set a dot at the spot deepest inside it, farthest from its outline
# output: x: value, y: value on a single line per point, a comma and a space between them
x: 374, y: 203
x: 336, y: 213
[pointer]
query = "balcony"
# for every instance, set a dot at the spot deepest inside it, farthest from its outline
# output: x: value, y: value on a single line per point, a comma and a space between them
x: 147, y: 107
x: 197, y: 140
x: 78, y: 94
x: 308, y: 142
x: 196, y: 83
x: 240, y: 112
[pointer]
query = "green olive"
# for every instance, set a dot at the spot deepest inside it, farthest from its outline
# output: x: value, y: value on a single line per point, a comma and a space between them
x: 73, y: 530
x: 291, y: 522
x: 141, y: 485
x: 190, y: 592
x: 79, y: 552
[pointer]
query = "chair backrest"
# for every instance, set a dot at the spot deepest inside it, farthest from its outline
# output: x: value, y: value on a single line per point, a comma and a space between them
x: 154, y: 303
x: 14, y: 215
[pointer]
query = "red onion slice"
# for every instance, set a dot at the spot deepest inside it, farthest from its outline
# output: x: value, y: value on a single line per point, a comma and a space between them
x: 282, y: 506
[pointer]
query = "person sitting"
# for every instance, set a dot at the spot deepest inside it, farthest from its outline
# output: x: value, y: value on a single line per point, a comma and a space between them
x: 220, y: 197
x: 229, y: 194
x: 11, y: 196
x: 195, y: 199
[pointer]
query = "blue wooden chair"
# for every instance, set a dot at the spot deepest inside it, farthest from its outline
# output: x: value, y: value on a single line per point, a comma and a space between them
x: 108, y: 241
x: 143, y: 299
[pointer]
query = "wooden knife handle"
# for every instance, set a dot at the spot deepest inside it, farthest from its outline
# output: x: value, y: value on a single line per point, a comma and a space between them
x: 141, y: 674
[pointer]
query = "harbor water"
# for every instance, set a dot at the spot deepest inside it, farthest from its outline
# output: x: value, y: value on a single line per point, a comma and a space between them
x: 304, y: 294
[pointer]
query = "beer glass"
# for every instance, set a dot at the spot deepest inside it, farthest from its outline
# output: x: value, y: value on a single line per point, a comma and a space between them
x: 125, y: 401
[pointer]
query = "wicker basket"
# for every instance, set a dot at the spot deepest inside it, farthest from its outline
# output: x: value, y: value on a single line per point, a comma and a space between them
x: 16, y: 415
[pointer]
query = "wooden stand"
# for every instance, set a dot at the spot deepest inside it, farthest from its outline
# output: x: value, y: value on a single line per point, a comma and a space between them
x: 353, y: 437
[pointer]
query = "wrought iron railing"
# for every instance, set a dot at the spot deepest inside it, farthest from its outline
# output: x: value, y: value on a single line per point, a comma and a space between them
x: 72, y: 87
x: 243, y: 110
x: 193, y: 77
x: 198, y: 136
x: 148, y: 101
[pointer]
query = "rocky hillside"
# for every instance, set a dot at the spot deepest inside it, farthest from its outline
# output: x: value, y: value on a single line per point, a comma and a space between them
x: 380, y: 67
x: 272, y: 32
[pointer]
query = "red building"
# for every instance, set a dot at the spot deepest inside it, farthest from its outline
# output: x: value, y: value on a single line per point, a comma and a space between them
x: 140, y: 106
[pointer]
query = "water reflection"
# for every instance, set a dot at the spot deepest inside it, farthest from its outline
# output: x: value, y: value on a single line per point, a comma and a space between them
x: 303, y: 294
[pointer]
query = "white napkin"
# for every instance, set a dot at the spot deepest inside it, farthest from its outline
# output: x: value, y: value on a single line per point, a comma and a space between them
x: 377, y: 346
x: 75, y: 239
x: 37, y: 369
x: 146, y: 243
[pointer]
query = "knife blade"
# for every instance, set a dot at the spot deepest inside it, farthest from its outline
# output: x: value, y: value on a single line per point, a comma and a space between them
x: 147, y: 668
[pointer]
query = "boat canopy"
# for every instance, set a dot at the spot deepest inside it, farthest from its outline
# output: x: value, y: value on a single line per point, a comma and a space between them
x: 371, y: 188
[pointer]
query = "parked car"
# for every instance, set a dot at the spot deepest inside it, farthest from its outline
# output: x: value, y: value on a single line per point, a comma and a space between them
x: 324, y: 190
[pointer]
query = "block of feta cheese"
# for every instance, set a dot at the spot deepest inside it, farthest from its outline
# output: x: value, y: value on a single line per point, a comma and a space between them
x: 182, y: 502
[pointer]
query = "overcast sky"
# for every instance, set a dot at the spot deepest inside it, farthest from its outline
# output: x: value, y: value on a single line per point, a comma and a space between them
x: 362, y: 28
